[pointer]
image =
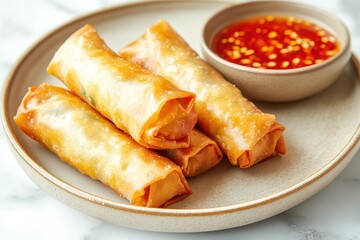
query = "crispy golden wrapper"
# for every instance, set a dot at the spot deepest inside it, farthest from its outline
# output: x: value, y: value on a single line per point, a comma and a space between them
x: 244, y: 133
x: 148, y: 107
x: 87, y: 141
x: 202, y: 154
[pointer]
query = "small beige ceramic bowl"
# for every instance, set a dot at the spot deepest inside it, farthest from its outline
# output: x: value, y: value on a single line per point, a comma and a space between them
x: 278, y: 85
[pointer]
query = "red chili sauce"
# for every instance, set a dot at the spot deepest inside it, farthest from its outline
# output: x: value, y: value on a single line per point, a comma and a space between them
x: 275, y: 42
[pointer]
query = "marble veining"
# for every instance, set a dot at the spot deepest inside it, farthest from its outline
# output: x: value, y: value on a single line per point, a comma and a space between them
x: 26, y: 212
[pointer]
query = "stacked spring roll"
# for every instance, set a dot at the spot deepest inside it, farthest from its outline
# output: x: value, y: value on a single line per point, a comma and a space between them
x: 151, y: 109
x: 244, y: 133
x: 84, y: 139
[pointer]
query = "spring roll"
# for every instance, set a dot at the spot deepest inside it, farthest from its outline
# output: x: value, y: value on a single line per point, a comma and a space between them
x: 151, y: 109
x: 84, y: 139
x: 244, y: 133
x: 202, y: 154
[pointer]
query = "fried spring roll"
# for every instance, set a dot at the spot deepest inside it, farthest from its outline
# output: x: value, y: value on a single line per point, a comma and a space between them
x: 87, y: 141
x: 244, y: 133
x: 202, y: 154
x: 151, y: 109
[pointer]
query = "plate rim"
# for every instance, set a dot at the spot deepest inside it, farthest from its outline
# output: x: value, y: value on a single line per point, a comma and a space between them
x: 351, y: 145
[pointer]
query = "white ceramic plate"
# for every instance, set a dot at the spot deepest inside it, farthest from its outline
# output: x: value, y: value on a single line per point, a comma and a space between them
x: 322, y: 136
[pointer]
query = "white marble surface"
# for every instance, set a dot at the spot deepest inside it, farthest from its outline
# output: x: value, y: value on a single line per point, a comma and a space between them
x: 26, y: 212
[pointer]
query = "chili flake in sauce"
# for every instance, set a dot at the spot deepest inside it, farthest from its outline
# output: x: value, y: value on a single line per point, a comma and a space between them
x: 275, y: 42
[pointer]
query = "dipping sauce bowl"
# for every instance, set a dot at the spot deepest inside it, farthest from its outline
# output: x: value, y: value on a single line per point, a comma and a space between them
x: 276, y: 51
